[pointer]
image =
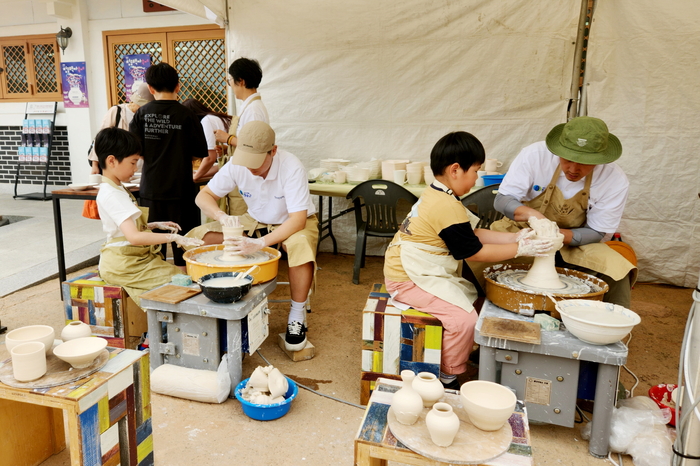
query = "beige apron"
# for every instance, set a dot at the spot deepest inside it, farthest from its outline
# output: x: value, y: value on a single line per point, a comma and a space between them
x: 233, y: 203
x: 135, y: 268
x: 571, y: 213
x: 439, y: 275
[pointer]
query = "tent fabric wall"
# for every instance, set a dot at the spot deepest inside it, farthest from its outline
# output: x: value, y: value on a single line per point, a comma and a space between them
x: 642, y: 70
x: 362, y: 80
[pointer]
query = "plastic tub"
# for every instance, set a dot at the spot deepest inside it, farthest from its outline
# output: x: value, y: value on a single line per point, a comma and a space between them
x: 492, y: 179
x: 597, y: 322
x: 661, y: 394
x: 267, y: 412
x: 196, y: 269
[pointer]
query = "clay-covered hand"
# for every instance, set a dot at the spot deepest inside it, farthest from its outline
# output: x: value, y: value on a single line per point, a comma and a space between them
x: 246, y: 246
x: 533, y: 247
x: 184, y: 240
x: 227, y: 220
x: 169, y: 226
x: 524, y: 233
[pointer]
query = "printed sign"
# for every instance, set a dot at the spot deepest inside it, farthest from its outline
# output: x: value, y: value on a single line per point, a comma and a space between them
x: 135, y: 67
x: 74, y: 79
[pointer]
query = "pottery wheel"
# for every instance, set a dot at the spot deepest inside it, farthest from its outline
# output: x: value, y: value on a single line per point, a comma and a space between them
x: 572, y: 285
x: 470, y: 446
x: 58, y: 372
x: 216, y: 257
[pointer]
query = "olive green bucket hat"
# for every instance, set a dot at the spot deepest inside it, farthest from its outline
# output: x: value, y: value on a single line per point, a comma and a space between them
x: 584, y: 140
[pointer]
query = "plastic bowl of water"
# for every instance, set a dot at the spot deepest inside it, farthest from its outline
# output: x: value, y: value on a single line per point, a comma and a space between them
x: 597, y: 322
x: 267, y: 412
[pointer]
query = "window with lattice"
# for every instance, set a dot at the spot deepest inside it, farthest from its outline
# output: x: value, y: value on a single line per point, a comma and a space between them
x: 196, y: 52
x: 29, y: 69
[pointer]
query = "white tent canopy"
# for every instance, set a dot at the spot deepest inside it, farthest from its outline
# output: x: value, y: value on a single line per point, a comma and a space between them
x: 367, y: 79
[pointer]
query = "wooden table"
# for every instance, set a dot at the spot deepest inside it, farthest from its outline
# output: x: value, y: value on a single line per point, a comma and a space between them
x: 375, y: 444
x: 331, y: 190
x: 56, y: 196
x: 108, y: 415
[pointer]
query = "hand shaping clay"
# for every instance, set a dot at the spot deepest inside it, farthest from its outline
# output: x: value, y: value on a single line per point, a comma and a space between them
x: 543, y: 273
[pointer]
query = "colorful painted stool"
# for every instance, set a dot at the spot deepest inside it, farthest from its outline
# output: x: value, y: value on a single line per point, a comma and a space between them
x: 108, y: 413
x: 395, y: 340
x: 107, y: 309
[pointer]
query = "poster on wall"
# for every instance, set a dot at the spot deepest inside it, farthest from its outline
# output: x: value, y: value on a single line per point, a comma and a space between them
x: 135, y: 67
x: 74, y: 79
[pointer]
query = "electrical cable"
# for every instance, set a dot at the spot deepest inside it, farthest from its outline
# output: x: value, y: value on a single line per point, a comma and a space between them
x: 314, y: 391
x: 612, y: 460
x: 630, y: 392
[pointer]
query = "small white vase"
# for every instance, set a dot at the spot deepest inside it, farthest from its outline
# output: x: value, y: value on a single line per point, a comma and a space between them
x: 28, y: 361
x: 442, y: 424
x: 75, y: 329
x: 428, y: 387
x: 407, y: 404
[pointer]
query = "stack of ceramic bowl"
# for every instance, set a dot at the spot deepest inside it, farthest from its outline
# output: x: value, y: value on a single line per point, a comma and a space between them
x: 414, y: 173
x: 375, y: 169
x: 389, y: 166
x: 357, y: 174
x: 428, y: 174
x: 331, y: 165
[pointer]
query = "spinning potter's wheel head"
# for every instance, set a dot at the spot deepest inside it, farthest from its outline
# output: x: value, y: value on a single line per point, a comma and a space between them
x: 505, y: 289
x: 203, y: 260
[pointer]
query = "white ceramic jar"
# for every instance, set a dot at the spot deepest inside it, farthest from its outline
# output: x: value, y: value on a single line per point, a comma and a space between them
x: 407, y: 404
x: 428, y: 387
x: 442, y: 424
x: 75, y: 329
x: 28, y: 361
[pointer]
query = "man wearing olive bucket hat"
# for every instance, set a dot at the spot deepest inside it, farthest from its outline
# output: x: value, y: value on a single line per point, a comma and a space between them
x: 571, y: 179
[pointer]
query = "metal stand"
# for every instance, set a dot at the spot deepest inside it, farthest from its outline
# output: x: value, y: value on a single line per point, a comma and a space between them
x: 39, y: 108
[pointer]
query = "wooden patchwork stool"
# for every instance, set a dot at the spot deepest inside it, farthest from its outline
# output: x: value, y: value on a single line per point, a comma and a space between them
x: 395, y: 340
x: 107, y: 309
x: 108, y: 415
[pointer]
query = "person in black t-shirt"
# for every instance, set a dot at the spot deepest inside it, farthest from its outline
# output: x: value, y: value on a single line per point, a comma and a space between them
x: 170, y: 136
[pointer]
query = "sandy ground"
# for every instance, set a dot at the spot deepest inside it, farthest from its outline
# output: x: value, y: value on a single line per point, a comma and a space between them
x: 318, y: 430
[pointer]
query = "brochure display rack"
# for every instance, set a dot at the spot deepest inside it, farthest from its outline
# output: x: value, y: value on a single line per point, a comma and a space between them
x: 35, y: 147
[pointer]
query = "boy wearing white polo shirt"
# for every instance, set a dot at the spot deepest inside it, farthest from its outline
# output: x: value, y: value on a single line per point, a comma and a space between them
x: 274, y: 185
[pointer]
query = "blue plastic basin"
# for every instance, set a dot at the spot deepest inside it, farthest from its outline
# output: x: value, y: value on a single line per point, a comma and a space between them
x: 492, y: 179
x: 267, y: 412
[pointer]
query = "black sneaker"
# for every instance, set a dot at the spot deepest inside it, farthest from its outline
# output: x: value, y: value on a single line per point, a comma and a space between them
x: 295, y: 338
x: 454, y: 385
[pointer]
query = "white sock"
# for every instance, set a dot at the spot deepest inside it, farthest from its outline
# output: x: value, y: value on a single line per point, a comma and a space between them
x: 447, y: 378
x: 297, y: 313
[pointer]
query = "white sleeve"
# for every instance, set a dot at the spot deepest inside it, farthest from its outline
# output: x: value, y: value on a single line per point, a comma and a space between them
x: 225, y: 179
x: 296, y: 189
x: 115, y: 207
x: 209, y: 132
x: 520, y: 177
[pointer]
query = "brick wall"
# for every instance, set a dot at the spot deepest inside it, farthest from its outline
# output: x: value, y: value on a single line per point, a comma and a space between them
x: 33, y: 173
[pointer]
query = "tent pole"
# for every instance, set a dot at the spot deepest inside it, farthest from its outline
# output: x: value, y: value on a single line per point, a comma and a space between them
x: 578, y: 56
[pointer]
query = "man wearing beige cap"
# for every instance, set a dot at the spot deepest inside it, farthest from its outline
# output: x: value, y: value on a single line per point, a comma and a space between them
x: 120, y: 116
x: 275, y: 188
x: 572, y: 179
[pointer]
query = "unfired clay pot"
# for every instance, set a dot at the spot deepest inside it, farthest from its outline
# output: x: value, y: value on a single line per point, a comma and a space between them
x: 43, y: 333
x: 489, y: 405
x: 428, y: 387
x: 75, y: 329
x: 28, y: 361
x: 407, y: 404
x: 442, y: 424
x: 543, y: 273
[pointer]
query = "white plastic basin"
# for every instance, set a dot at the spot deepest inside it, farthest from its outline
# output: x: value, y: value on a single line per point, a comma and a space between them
x: 597, y: 322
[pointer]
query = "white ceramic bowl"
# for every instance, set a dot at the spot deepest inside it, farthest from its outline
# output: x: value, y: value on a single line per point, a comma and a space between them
x: 42, y: 333
x: 79, y: 186
x: 488, y: 404
x: 596, y: 322
x: 81, y: 352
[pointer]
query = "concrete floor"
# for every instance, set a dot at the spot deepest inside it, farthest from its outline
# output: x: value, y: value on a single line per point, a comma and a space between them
x: 317, y: 430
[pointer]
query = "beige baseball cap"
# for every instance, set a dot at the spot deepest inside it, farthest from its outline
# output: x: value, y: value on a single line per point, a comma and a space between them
x: 142, y: 95
x: 256, y: 139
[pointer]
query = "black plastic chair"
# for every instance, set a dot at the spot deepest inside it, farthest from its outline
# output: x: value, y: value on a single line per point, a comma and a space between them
x: 377, y: 200
x: 480, y: 203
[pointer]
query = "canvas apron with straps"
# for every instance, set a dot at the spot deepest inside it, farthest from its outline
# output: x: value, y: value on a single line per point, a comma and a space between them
x: 571, y: 213
x: 233, y: 203
x: 135, y: 268
x: 436, y: 274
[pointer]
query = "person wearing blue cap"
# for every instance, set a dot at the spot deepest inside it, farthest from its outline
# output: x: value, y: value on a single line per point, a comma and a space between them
x: 583, y: 190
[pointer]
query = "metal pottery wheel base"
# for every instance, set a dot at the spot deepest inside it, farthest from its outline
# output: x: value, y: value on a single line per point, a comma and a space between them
x: 505, y: 290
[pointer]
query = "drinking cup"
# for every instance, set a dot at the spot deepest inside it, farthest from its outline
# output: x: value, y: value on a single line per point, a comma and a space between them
x: 414, y: 178
x: 399, y: 176
x: 429, y: 177
x: 340, y: 177
x: 492, y: 165
x: 28, y: 361
x: 95, y: 179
